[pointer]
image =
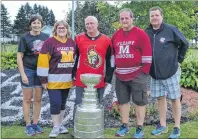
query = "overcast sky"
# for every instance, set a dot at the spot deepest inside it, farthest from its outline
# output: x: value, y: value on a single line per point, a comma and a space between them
x: 58, y: 7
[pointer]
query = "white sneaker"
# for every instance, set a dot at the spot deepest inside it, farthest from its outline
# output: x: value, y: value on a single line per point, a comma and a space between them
x: 63, y: 130
x: 54, y: 133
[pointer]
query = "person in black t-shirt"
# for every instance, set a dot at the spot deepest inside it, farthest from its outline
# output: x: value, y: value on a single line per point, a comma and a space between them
x: 28, y: 49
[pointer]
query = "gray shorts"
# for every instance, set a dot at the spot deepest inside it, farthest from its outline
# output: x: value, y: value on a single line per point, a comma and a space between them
x: 137, y: 88
x: 169, y: 87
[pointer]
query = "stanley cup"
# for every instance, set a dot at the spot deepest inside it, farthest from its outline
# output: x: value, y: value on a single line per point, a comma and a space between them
x: 89, y: 117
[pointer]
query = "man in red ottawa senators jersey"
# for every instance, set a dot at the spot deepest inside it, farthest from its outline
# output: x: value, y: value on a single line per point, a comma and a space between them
x: 93, y: 55
x: 133, y: 56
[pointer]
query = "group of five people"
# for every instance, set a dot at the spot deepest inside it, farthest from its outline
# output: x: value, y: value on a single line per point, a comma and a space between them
x: 56, y: 63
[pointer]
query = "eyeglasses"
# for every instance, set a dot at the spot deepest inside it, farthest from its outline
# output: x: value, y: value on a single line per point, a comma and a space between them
x: 126, y: 18
x: 59, y: 28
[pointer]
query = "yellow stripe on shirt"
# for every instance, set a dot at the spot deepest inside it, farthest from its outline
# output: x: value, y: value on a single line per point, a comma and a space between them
x: 59, y: 85
x: 60, y: 40
x: 43, y: 60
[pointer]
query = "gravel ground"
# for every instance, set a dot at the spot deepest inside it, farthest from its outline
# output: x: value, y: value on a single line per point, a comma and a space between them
x: 11, y: 102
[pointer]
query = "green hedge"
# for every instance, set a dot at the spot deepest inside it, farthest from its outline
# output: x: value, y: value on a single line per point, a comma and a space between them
x: 8, y: 60
x: 189, y: 75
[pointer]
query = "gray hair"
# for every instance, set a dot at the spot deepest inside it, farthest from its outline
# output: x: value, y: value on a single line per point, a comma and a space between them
x: 93, y: 17
x: 156, y: 8
x: 65, y: 24
x: 126, y: 10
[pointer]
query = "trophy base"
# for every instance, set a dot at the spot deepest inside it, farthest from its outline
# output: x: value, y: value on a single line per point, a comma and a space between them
x: 89, y: 122
x: 83, y: 134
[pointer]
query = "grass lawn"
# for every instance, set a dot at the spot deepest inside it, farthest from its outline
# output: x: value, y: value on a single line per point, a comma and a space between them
x: 13, y: 48
x: 188, y: 130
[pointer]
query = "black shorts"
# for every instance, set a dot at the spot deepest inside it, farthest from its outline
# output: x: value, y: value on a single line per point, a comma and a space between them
x: 137, y: 88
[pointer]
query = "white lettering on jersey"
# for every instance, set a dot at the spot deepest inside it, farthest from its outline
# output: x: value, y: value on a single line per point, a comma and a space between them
x: 65, y: 65
x: 124, y: 49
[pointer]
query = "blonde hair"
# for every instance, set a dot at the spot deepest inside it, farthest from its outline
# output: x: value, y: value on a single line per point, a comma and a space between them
x: 65, y: 24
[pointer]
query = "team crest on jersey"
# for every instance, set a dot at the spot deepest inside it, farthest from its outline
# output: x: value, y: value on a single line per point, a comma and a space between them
x: 93, y: 60
x: 162, y: 40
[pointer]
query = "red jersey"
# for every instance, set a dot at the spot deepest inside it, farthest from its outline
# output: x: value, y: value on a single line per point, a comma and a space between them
x: 92, y: 57
x: 132, y: 53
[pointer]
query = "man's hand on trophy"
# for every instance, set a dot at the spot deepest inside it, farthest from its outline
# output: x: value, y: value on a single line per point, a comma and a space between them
x: 73, y: 75
x: 74, y: 78
x: 107, y: 84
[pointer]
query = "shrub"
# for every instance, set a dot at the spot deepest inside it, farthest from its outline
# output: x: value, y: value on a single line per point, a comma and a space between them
x: 8, y: 60
x: 151, y: 109
x: 189, y: 75
x: 114, y: 109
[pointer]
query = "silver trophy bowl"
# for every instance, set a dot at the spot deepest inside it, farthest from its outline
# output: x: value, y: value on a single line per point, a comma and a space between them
x: 90, y: 79
x: 89, y: 117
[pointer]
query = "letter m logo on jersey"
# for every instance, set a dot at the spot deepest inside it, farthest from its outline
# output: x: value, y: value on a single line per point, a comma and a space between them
x: 124, y: 49
x: 67, y: 56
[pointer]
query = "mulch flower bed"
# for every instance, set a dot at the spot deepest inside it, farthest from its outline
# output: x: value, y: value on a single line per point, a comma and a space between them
x: 190, y: 98
x: 11, y: 97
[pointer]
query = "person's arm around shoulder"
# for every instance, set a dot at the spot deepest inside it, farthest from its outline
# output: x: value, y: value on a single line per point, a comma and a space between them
x: 43, y: 63
x: 181, y: 43
x: 109, y: 62
x: 74, y: 70
x: 146, y: 51
x: 20, y: 54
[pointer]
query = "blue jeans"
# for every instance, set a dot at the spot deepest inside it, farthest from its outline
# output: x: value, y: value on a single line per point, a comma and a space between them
x: 33, y: 79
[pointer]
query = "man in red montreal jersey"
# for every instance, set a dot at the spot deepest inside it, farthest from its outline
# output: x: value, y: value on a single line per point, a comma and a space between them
x: 133, y: 56
x: 93, y: 55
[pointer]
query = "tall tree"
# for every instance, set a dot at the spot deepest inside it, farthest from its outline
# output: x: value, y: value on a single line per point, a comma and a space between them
x: 25, y: 12
x: 21, y: 22
x: 28, y: 10
x: 5, y: 22
x: 40, y: 9
x: 178, y: 13
x: 35, y: 9
x: 91, y: 8
x: 51, y: 18
x: 44, y: 13
x: 108, y: 15
x: 79, y: 21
